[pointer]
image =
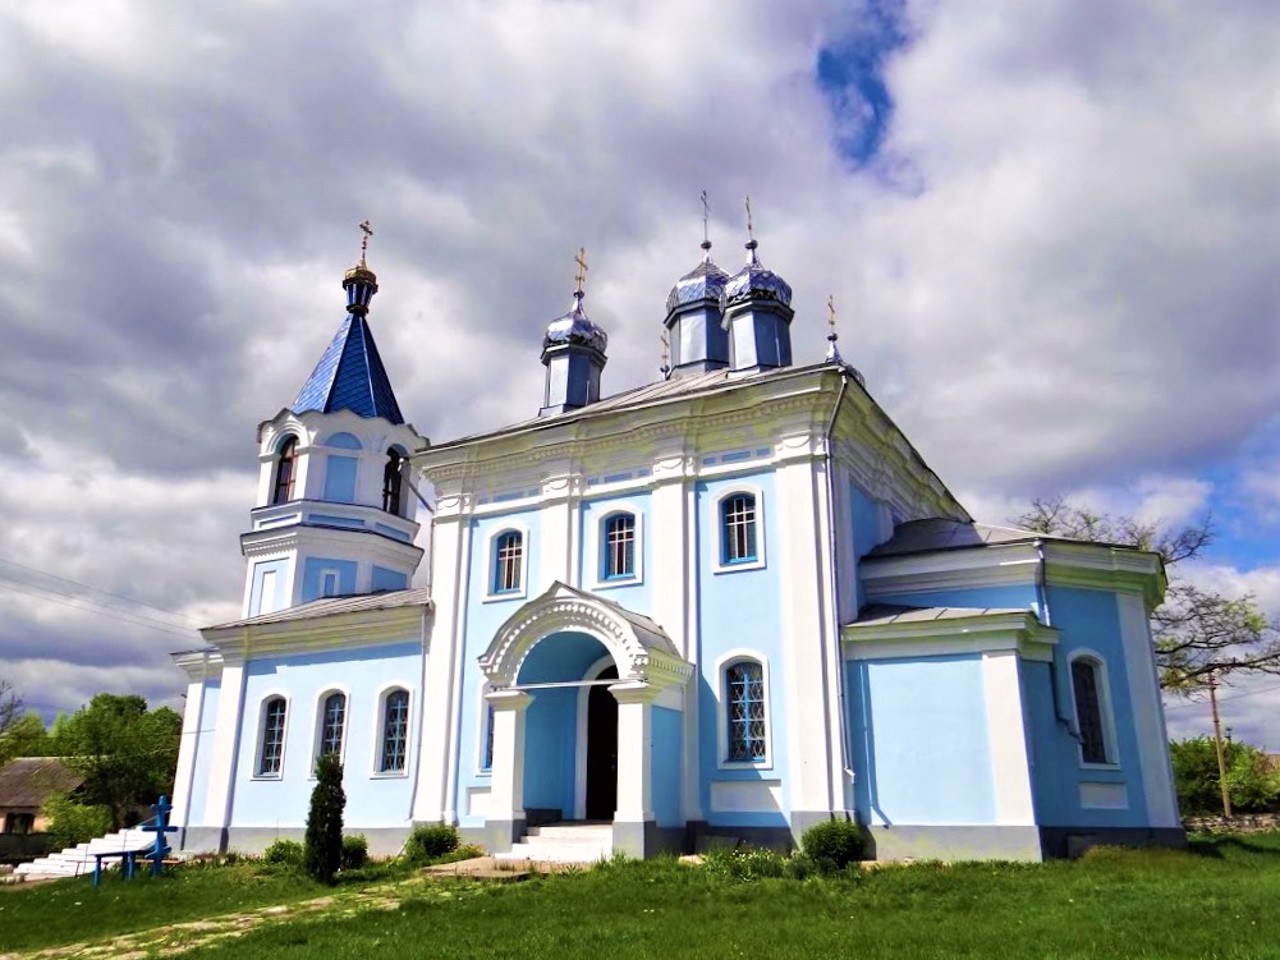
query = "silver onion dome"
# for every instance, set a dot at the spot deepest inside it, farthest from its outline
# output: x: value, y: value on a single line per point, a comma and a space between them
x: 756, y: 282
x: 706, y: 281
x: 576, y: 327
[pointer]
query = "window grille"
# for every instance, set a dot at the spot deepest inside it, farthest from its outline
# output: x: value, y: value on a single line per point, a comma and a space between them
x: 510, y: 555
x: 620, y: 546
x: 1084, y: 683
x: 747, y: 717
x: 272, y: 753
x: 739, y: 528
x: 335, y: 712
x: 395, y: 731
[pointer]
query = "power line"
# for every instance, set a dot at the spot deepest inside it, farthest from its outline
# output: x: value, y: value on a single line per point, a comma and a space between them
x: 1237, y: 696
x: 93, y: 589
x: 110, y: 613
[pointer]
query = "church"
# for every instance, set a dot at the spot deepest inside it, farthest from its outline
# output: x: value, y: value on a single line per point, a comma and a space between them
x: 717, y: 608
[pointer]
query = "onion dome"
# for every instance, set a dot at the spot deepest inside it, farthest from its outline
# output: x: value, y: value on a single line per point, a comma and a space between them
x: 755, y: 282
x: 575, y: 328
x: 706, y: 281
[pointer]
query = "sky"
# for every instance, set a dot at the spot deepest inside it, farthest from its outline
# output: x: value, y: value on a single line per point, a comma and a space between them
x: 1051, y: 231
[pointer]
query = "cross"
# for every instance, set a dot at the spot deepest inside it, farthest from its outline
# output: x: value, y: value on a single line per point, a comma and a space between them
x: 706, y: 212
x: 364, y: 241
x: 831, y: 312
x: 666, y: 355
x: 750, y: 235
x: 581, y: 261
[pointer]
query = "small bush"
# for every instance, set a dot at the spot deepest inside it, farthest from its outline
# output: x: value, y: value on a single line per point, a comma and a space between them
x: 285, y: 853
x: 744, y: 863
x: 834, y: 845
x: 355, y: 852
x: 71, y: 823
x: 430, y: 842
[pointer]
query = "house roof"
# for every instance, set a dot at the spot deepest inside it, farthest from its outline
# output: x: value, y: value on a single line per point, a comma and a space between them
x: 28, y: 781
x: 350, y: 376
x: 884, y: 614
x: 331, y: 606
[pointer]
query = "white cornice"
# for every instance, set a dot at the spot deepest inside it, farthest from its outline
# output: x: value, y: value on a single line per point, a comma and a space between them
x: 336, y: 631
x: 366, y: 544
x: 981, y: 633
x: 199, y: 664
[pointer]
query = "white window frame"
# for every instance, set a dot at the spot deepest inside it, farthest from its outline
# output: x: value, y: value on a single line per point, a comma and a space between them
x: 317, y: 736
x: 379, y: 730
x: 597, y: 552
x: 718, y: 564
x: 722, y: 666
x: 1110, y: 741
x: 482, y: 729
x: 262, y: 729
x: 491, y: 564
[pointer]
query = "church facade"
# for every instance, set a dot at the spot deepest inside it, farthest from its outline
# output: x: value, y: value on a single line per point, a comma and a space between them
x: 731, y: 603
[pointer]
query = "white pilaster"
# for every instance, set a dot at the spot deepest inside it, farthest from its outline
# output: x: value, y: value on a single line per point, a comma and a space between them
x: 183, y: 777
x: 635, y: 750
x: 226, y: 743
x: 1147, y: 710
x: 1007, y: 739
x: 555, y: 550
x: 506, y: 792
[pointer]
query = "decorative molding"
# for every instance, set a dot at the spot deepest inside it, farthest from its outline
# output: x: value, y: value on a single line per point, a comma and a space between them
x: 336, y: 631
x: 981, y: 633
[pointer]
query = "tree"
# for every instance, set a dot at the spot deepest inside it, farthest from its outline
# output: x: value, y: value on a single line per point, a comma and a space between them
x: 126, y: 754
x: 10, y: 713
x: 323, y: 844
x: 1199, y: 634
x: 1252, y: 782
x: 27, y: 737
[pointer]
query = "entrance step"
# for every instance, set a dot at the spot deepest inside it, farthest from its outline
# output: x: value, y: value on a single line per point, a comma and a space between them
x: 564, y: 843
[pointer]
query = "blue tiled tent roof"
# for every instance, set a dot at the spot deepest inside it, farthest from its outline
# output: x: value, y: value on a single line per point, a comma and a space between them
x: 350, y: 376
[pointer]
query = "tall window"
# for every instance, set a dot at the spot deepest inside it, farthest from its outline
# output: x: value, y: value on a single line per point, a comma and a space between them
x: 286, y: 468
x: 738, y: 528
x: 392, y: 480
x: 620, y: 546
x: 486, y: 752
x: 747, y: 734
x: 1086, y: 684
x: 333, y: 716
x: 271, y: 755
x: 507, y: 562
x: 395, y: 731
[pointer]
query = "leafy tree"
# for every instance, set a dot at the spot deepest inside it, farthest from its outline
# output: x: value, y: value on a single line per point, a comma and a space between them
x: 126, y: 754
x: 10, y: 713
x: 1252, y: 782
x: 1198, y: 634
x: 323, y: 841
x: 71, y: 823
x: 27, y: 737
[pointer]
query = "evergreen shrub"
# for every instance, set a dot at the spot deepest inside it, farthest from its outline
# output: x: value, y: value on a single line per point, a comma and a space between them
x: 834, y: 845
x: 430, y: 842
x: 323, y: 844
x: 355, y: 852
x: 284, y: 853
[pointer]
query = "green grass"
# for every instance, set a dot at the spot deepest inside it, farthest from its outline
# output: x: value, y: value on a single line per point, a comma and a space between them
x: 1217, y: 900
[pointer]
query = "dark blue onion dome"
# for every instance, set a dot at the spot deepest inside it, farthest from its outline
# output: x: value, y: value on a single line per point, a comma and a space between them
x: 361, y: 284
x: 575, y: 328
x: 704, y: 282
x: 755, y: 282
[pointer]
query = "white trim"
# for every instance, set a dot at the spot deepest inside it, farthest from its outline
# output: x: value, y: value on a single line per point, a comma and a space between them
x: 580, y: 744
x: 727, y: 660
x: 1007, y: 738
x: 1147, y: 709
x: 258, y: 742
x: 596, y: 553
x: 1110, y: 742
x: 379, y: 727
x: 717, y: 529
x: 491, y: 561
x: 318, y: 730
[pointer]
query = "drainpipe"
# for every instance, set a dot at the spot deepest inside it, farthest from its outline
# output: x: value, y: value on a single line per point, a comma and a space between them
x: 847, y: 770
x: 1042, y: 598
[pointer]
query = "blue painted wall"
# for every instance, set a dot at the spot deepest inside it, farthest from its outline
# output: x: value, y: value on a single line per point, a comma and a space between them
x: 340, y: 479
x: 666, y: 764
x: 920, y: 741
x: 738, y: 609
x: 373, y: 800
x: 344, y: 441
x: 204, y: 750
x: 384, y: 579
x: 314, y: 567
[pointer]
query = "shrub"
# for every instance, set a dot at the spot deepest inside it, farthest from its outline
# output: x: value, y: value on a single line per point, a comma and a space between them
x: 355, y: 852
x: 71, y: 823
x: 744, y: 863
x: 834, y: 845
x: 1251, y: 783
x: 284, y: 853
x: 430, y: 842
x: 323, y: 846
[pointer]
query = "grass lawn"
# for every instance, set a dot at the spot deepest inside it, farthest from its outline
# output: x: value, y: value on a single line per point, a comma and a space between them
x: 1221, y: 899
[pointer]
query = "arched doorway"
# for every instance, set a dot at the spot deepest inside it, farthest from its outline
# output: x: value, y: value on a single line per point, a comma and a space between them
x: 602, y: 749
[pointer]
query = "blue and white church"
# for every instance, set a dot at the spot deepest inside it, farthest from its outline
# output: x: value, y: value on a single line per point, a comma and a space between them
x: 720, y: 607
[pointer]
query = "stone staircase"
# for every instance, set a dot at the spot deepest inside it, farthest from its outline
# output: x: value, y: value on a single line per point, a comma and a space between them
x: 564, y: 843
x: 78, y: 860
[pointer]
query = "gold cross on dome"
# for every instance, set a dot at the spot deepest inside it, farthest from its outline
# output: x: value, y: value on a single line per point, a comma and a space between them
x: 706, y: 214
x: 364, y: 241
x: 666, y: 349
x: 750, y: 234
x: 581, y: 261
x: 831, y: 312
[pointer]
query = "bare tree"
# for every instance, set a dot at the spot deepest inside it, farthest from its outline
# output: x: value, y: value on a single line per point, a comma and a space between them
x: 1199, y: 634
x: 10, y: 714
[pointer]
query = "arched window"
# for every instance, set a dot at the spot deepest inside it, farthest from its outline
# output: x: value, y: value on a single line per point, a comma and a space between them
x: 738, y: 529
x: 271, y: 752
x: 395, y: 731
x: 508, y: 562
x: 619, y: 548
x: 486, y: 747
x: 1087, y: 687
x: 286, y: 469
x: 392, y: 481
x: 332, y: 719
x: 746, y: 724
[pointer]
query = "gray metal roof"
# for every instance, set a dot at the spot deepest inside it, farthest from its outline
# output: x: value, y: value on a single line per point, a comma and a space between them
x: 331, y: 606
x: 938, y: 533
x: 884, y: 614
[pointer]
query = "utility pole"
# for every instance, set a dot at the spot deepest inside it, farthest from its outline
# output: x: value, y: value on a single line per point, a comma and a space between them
x: 1217, y: 742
